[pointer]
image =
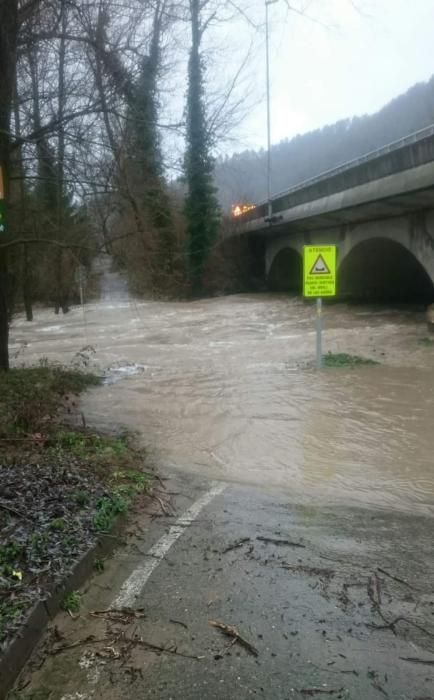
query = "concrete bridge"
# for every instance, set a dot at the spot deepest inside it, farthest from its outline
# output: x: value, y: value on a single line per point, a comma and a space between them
x: 378, y: 210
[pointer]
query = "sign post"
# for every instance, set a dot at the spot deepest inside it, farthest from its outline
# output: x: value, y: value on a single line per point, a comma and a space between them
x: 319, y: 281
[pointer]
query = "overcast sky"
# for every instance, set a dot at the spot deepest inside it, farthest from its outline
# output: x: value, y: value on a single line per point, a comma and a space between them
x: 320, y: 75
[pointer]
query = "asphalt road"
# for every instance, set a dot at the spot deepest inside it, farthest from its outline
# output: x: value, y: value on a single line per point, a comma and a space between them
x: 312, y: 592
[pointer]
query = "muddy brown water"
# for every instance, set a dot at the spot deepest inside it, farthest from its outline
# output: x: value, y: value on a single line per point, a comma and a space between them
x: 218, y: 387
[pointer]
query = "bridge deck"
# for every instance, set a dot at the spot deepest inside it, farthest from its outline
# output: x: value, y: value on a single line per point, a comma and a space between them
x: 387, y: 182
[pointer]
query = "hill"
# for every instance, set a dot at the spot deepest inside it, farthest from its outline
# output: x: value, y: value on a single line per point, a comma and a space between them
x: 242, y: 176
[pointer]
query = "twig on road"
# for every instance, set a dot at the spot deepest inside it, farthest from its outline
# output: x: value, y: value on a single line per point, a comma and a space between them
x: 235, y: 545
x: 272, y: 540
x: 312, y: 570
x: 178, y: 622
x: 119, y: 614
x: 132, y: 641
x: 323, y: 691
x: 394, y: 578
x: 391, y: 625
x: 231, y: 631
x: 417, y: 660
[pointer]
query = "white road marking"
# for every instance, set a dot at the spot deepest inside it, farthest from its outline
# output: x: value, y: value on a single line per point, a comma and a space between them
x: 135, y: 583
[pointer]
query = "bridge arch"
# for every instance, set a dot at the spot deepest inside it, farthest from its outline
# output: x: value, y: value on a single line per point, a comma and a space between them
x: 383, y: 269
x: 285, y: 271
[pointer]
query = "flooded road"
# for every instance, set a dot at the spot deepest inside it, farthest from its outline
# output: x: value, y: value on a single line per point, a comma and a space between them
x: 220, y: 387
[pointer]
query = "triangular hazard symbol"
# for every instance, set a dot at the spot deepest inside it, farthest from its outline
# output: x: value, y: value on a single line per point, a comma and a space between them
x: 320, y: 267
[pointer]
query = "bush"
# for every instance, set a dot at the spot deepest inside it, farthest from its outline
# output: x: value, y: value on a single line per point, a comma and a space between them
x: 31, y: 397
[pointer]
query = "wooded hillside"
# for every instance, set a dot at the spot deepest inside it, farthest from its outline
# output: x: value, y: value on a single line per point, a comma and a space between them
x: 242, y: 177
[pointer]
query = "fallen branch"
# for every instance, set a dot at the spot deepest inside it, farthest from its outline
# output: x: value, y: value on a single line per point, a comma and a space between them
x: 91, y: 639
x: 138, y: 641
x: 289, y: 543
x: 116, y: 613
x: 391, y: 625
x: 394, y: 578
x: 417, y: 660
x: 323, y: 691
x: 235, y: 545
x: 231, y: 631
x: 159, y: 649
x: 312, y: 570
x: 351, y: 671
x: 380, y: 688
x: 178, y: 622
x: 162, y: 505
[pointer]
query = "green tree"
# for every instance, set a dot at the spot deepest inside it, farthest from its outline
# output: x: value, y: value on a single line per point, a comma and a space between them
x: 201, y: 205
x: 144, y: 145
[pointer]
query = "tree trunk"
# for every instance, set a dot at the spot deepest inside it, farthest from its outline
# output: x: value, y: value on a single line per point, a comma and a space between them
x: 8, y: 39
x: 27, y: 285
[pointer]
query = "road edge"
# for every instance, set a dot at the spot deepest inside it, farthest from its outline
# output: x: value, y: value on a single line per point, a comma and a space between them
x: 24, y: 643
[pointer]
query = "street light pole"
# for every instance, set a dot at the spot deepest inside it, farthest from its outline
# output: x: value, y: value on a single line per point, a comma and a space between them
x: 267, y: 63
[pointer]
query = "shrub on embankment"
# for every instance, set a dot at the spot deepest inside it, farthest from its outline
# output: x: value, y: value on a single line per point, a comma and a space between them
x: 59, y: 486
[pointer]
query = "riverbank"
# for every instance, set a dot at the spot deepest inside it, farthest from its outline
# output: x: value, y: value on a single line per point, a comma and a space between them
x: 61, y: 489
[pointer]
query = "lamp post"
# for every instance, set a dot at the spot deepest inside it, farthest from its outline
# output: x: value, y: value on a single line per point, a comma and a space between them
x: 267, y: 63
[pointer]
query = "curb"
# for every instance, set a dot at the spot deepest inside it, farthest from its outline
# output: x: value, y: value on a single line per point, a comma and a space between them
x: 24, y: 643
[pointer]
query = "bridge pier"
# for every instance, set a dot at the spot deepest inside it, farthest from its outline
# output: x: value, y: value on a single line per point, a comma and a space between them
x: 382, y: 259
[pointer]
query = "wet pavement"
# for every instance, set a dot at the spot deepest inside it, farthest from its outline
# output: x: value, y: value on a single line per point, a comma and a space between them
x: 313, y: 591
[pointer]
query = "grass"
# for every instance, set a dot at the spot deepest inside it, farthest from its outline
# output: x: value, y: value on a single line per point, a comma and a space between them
x: 343, y: 359
x: 125, y: 485
x: 82, y: 482
x: 72, y: 602
x: 9, y: 611
x: 31, y: 397
x: 428, y: 342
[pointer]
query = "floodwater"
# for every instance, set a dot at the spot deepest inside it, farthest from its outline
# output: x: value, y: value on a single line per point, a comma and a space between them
x: 223, y: 387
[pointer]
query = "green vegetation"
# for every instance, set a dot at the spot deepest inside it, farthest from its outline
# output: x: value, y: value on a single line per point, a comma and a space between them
x: 9, y: 610
x: 58, y: 524
x: 343, y: 359
x: 72, y: 602
x: 107, y: 510
x: 201, y: 208
x: 99, y: 565
x: 428, y: 342
x: 125, y: 486
x: 64, y: 486
x: 31, y: 397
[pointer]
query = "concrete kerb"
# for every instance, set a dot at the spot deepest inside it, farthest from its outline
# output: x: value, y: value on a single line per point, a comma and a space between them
x: 23, y: 644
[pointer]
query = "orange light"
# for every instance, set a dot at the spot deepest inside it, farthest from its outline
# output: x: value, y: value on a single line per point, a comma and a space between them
x: 239, y: 209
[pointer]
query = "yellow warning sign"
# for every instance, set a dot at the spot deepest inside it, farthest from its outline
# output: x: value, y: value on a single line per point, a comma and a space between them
x: 319, y: 271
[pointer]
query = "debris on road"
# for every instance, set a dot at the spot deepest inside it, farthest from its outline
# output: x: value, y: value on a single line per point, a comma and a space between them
x: 417, y: 660
x: 310, y: 570
x: 236, y: 545
x: 121, y: 615
x: 178, y: 622
x: 323, y: 691
x: 288, y: 543
x: 231, y: 631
